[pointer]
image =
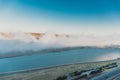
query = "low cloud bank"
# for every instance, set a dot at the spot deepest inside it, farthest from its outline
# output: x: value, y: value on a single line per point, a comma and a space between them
x: 21, y: 42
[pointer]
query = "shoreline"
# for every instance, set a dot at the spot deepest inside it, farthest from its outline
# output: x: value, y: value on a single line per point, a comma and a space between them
x: 49, y: 67
x: 54, y: 71
x: 46, y: 51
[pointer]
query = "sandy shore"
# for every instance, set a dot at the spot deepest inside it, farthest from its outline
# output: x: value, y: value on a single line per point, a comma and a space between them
x: 53, y: 72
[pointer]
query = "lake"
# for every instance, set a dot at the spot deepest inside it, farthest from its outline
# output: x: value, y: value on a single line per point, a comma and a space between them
x: 58, y: 58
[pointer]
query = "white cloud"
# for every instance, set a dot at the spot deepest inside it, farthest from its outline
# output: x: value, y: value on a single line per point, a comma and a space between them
x: 24, y: 42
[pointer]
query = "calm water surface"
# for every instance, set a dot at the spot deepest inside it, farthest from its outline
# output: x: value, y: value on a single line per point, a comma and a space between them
x: 57, y: 58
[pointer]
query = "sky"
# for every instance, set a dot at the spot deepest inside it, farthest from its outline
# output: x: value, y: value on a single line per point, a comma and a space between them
x: 98, y: 17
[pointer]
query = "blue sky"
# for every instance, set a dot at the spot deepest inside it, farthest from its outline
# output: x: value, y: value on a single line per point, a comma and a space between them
x: 60, y: 16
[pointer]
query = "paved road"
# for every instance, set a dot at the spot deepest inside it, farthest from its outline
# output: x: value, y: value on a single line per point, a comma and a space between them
x: 110, y: 75
x: 115, y: 77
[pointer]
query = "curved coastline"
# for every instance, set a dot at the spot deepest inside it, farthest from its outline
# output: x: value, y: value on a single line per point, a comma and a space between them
x: 49, y: 67
x: 52, y: 70
x: 55, y: 70
x: 46, y: 51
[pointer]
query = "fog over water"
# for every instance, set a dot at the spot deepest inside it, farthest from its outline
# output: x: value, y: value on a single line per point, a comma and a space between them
x: 21, y: 42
